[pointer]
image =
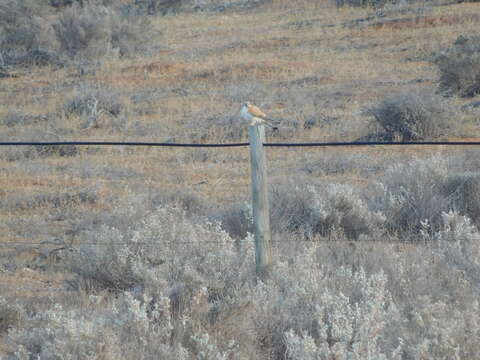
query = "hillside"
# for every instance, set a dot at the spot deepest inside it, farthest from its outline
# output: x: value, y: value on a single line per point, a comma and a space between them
x: 122, y: 252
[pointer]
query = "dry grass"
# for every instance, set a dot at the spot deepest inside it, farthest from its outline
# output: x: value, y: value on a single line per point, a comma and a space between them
x: 316, y: 67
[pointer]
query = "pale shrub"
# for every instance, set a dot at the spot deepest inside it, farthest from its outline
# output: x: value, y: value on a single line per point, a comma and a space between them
x: 170, y: 277
x: 348, y: 330
x: 443, y: 316
x: 320, y: 312
x: 126, y: 329
x: 420, y: 190
x: 10, y: 315
x: 24, y: 34
x: 412, y: 115
x: 93, y: 31
x: 188, y: 294
x: 411, y: 192
x: 459, y: 67
x: 167, y: 245
x: 324, y: 211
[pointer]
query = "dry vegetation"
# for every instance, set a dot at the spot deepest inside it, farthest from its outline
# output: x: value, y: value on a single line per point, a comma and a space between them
x: 139, y: 253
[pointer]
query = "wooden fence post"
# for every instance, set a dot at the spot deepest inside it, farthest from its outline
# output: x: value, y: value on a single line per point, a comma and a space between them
x: 261, y: 213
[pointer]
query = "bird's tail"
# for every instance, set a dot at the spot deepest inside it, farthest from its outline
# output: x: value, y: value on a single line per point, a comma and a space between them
x: 271, y: 123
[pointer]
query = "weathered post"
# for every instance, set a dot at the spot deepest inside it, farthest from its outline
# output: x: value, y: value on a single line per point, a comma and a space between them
x: 261, y: 213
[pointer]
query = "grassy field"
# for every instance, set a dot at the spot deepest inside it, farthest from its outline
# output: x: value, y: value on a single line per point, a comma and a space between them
x: 135, y: 253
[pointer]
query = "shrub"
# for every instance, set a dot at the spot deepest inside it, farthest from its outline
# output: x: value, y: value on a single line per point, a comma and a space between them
x: 191, y: 271
x: 94, y: 30
x: 364, y: 3
x: 126, y: 329
x: 10, y: 315
x: 17, y: 153
x: 202, y: 126
x: 153, y: 7
x: 414, y: 195
x: 62, y: 3
x: 24, y: 36
x: 69, y: 198
x: 189, y: 201
x: 323, y: 211
x: 411, y: 116
x: 463, y: 190
x: 323, y: 300
x: 326, y: 304
x: 459, y: 67
x: 93, y: 102
x: 16, y: 118
x: 127, y: 260
x: 236, y: 220
x: 307, y: 314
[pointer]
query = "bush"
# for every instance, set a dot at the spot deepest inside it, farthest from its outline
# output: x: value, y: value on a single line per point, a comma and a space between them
x: 459, y: 68
x: 17, y: 153
x: 29, y: 35
x: 170, y: 277
x: 10, y: 315
x: 191, y: 297
x: 94, y: 102
x: 307, y: 314
x: 94, y: 30
x: 364, y: 3
x: 70, y: 198
x: 127, y: 329
x: 153, y: 7
x: 411, y: 116
x: 16, y: 118
x: 24, y: 36
x: 463, y: 190
x: 193, y: 204
x: 237, y: 220
x: 323, y: 211
x: 413, y: 196
x: 62, y: 3
x: 126, y: 260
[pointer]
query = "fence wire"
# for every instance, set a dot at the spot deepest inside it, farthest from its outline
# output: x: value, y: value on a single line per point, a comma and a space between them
x: 220, y: 145
x: 240, y: 144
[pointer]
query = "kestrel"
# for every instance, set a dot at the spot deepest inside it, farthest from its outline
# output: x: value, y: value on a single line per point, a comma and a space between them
x: 255, y: 116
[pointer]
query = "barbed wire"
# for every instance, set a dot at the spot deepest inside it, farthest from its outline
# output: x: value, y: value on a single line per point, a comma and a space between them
x: 214, y: 145
x: 153, y: 243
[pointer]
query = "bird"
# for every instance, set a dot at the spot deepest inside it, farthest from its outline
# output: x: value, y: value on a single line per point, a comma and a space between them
x: 255, y: 116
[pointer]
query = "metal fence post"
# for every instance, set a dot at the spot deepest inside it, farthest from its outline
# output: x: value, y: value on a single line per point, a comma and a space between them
x: 261, y: 213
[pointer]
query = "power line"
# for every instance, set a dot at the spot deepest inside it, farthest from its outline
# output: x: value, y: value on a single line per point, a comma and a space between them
x: 371, y: 143
x: 241, y: 144
x: 115, y: 143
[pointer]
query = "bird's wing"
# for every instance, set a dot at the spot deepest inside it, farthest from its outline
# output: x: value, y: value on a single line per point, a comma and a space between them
x: 255, y: 111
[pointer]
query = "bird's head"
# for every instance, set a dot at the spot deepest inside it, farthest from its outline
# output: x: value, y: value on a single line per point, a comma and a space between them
x: 246, y: 104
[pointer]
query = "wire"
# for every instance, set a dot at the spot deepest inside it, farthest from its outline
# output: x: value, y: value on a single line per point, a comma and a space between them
x: 371, y: 143
x: 160, y: 243
x: 115, y: 143
x: 312, y: 144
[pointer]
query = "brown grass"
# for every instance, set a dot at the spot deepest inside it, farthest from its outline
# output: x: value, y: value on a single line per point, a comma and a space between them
x: 295, y: 60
